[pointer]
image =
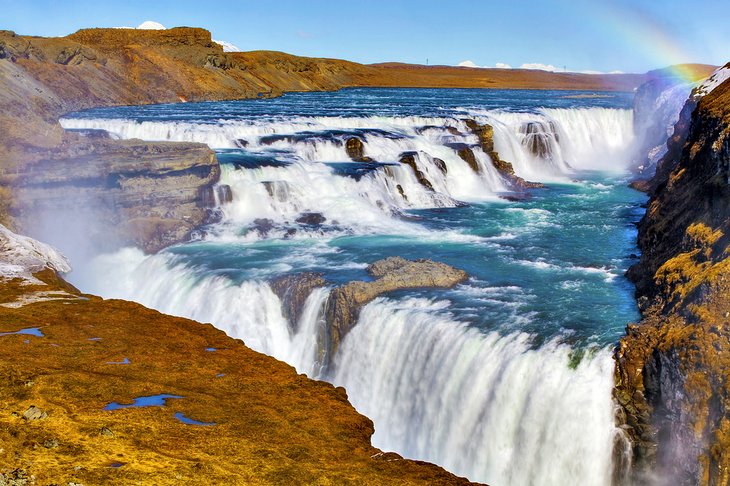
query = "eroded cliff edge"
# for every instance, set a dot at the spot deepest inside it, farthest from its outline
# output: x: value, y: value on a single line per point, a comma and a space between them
x: 672, y: 368
x: 72, y: 364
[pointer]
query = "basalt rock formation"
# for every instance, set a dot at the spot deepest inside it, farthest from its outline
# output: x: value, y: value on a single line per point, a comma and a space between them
x: 673, y: 368
x: 485, y: 133
x: 293, y: 291
x: 234, y: 416
x: 394, y: 273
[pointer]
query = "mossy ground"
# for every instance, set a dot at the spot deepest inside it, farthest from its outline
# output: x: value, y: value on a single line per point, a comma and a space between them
x: 273, y: 426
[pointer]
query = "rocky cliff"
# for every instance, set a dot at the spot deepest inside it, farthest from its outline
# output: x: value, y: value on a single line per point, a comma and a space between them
x: 673, y: 367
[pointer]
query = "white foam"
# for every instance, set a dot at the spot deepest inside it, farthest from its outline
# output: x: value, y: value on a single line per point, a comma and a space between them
x: 489, y: 407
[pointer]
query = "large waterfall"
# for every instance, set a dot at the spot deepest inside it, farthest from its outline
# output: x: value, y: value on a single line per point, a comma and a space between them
x: 514, y: 397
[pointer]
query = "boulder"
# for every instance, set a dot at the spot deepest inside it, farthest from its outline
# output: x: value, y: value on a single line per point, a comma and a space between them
x: 356, y: 150
x: 311, y: 219
x: 34, y: 413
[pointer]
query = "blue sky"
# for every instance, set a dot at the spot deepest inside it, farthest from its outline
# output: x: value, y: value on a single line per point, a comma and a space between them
x: 608, y: 35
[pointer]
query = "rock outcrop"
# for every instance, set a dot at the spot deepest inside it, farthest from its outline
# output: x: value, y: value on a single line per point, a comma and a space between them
x: 394, y: 273
x: 485, y: 134
x: 293, y: 291
x: 656, y: 104
x: 115, y: 192
x: 409, y: 159
x: 673, y: 368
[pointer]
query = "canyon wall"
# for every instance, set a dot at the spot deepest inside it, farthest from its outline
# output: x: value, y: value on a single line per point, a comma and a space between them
x: 673, y: 367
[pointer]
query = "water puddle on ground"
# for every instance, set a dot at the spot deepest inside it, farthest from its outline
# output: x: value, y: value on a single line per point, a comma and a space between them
x: 186, y: 420
x: 30, y: 331
x: 125, y: 361
x: 150, y: 401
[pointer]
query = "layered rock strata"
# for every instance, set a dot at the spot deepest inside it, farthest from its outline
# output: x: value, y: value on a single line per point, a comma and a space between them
x: 395, y: 273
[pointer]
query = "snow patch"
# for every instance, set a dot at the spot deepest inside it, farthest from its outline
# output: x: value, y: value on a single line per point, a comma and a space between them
x: 227, y: 46
x: 712, y: 82
x: 21, y: 256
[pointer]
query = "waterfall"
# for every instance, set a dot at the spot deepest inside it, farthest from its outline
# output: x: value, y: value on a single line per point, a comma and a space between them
x: 493, y: 404
x: 490, y: 407
x: 301, y: 165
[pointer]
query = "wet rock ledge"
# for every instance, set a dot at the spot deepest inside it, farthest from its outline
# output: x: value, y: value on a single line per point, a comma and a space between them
x: 345, y: 302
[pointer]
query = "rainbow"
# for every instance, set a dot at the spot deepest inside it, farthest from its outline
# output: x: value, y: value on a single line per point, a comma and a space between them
x: 646, y: 35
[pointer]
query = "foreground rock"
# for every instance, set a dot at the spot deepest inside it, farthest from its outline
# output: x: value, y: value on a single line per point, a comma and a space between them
x: 293, y: 291
x: 673, y: 368
x: 265, y: 423
x: 394, y: 273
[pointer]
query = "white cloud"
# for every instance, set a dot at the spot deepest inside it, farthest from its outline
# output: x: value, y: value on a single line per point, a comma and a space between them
x: 227, y: 46
x: 533, y: 66
x: 538, y: 66
x: 150, y: 25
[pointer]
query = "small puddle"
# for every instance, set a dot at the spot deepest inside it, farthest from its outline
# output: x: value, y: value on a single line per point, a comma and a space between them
x: 186, y: 420
x: 94, y: 339
x: 122, y: 362
x: 150, y: 401
x: 210, y: 350
x: 30, y: 331
x: 117, y: 465
x: 220, y: 375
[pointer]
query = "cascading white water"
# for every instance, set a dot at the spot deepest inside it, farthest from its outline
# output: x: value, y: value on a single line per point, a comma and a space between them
x: 556, y: 142
x: 486, y: 406
x: 493, y: 408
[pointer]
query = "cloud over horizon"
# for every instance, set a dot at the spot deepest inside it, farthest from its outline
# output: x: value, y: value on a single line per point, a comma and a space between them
x: 535, y: 66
